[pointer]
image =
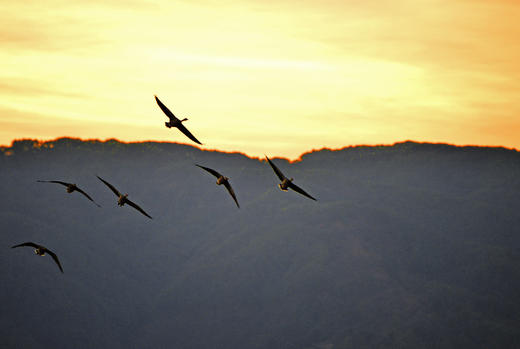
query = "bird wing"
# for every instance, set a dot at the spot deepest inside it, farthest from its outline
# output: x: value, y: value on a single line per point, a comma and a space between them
x: 230, y: 190
x: 165, y: 109
x: 87, y: 196
x: 53, y: 255
x: 134, y: 205
x: 59, y: 182
x: 276, y: 169
x: 188, y: 134
x: 213, y: 172
x: 31, y: 244
x: 110, y: 186
x: 300, y: 190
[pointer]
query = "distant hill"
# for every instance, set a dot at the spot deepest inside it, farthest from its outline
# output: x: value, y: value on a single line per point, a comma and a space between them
x: 408, y: 246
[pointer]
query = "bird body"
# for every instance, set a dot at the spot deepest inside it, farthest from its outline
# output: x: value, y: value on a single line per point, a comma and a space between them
x: 72, y: 187
x: 41, y: 251
x: 287, y: 183
x: 222, y: 180
x: 123, y: 199
x: 175, y: 122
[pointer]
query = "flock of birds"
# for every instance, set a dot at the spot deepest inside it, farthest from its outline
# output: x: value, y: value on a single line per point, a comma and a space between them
x: 122, y: 199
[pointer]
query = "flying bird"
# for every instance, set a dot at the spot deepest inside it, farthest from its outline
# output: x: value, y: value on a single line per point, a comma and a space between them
x: 123, y: 199
x: 174, y: 122
x: 222, y: 180
x: 286, y: 182
x: 71, y: 187
x: 41, y: 251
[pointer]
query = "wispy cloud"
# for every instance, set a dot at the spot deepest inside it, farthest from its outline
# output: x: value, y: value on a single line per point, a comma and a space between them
x: 17, y: 86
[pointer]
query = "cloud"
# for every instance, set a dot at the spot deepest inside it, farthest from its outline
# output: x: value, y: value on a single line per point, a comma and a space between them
x: 16, y: 86
x: 63, y: 25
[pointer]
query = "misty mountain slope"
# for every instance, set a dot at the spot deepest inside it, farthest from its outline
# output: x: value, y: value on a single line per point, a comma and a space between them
x: 411, y: 245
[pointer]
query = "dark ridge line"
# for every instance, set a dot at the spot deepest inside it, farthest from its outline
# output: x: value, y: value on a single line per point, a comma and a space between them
x: 49, y: 144
x: 408, y: 141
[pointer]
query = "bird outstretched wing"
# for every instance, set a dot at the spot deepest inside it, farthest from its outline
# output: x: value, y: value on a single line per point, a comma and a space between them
x: 110, y: 186
x: 276, y: 169
x: 230, y: 190
x: 59, y: 182
x: 165, y: 110
x: 188, y: 134
x: 30, y: 244
x: 213, y: 172
x: 300, y: 190
x: 87, y: 196
x: 134, y: 205
x: 53, y: 255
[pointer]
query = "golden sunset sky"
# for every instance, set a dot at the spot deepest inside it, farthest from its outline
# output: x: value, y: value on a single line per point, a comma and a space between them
x: 262, y: 77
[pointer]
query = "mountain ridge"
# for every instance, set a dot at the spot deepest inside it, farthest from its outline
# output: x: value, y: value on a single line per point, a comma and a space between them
x: 413, y: 245
x: 50, y: 143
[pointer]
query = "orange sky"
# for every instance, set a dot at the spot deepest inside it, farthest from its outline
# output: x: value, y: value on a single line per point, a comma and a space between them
x: 271, y: 77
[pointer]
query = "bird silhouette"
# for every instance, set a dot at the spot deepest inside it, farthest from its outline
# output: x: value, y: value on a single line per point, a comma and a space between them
x: 41, y: 251
x: 174, y: 122
x: 221, y: 180
x: 286, y: 182
x: 71, y: 187
x: 123, y: 199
